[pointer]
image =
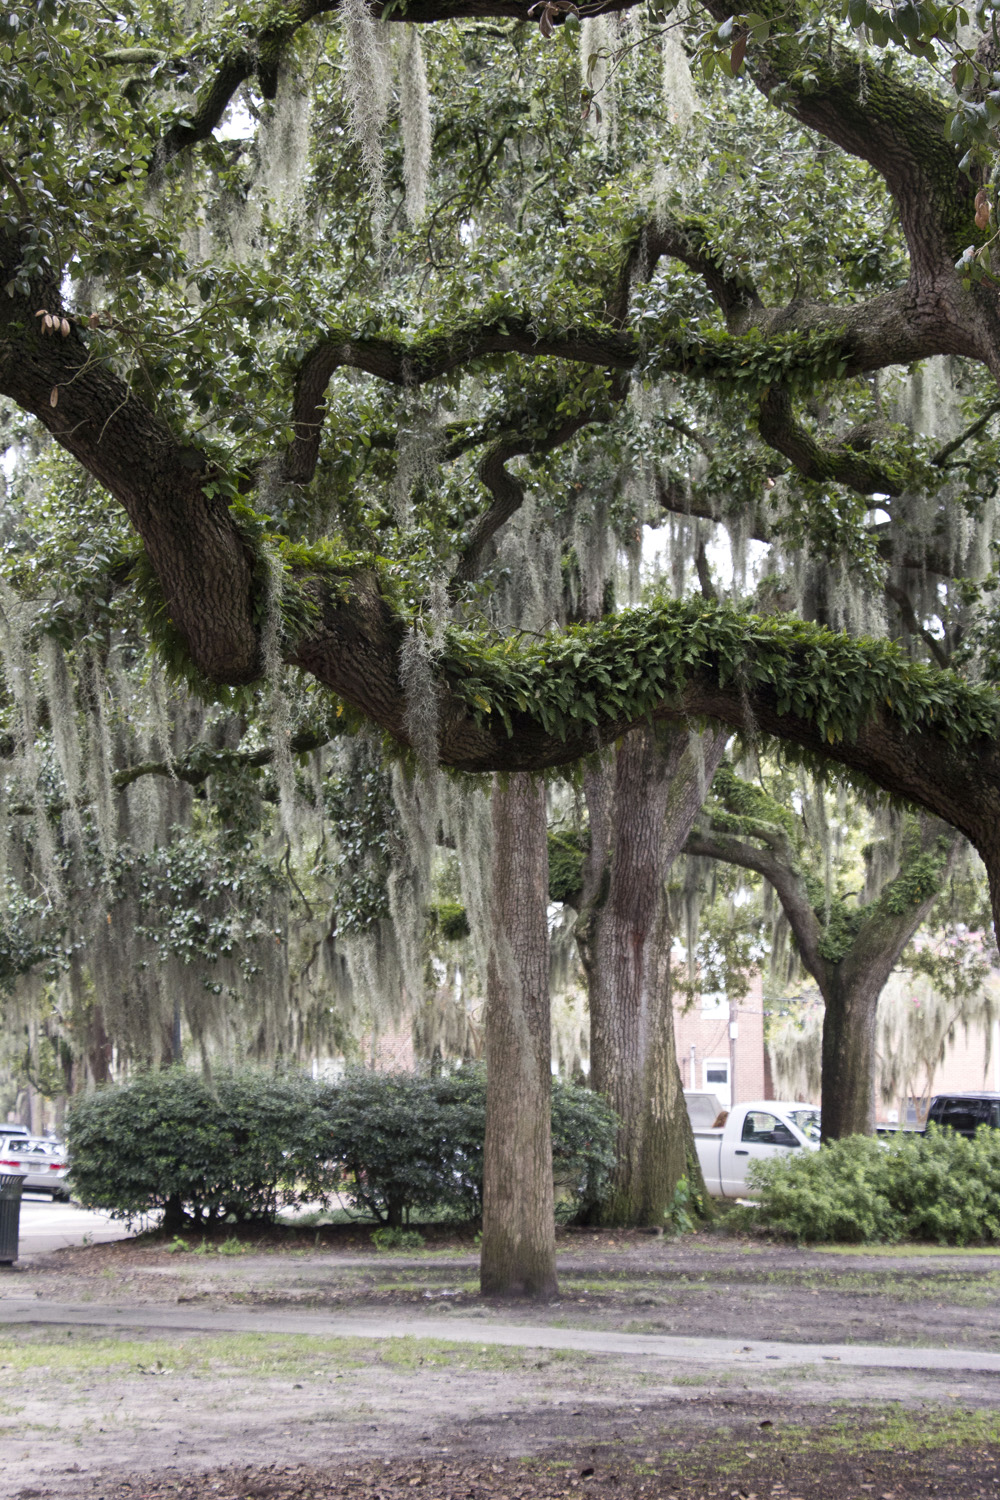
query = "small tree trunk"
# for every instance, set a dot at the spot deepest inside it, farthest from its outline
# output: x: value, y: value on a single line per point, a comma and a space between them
x: 173, y: 1215
x: 641, y: 811
x: 519, y: 1248
x: 98, y: 1047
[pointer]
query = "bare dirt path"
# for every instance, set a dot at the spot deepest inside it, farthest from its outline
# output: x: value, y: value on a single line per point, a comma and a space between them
x: 701, y: 1367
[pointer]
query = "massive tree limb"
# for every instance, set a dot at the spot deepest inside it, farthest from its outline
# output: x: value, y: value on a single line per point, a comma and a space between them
x: 848, y: 341
x: 205, y: 568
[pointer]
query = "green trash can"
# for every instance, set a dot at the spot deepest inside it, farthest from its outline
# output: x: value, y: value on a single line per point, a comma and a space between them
x: 11, y: 1184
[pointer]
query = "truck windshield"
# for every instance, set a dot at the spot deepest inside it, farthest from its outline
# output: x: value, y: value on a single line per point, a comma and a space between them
x: 806, y: 1120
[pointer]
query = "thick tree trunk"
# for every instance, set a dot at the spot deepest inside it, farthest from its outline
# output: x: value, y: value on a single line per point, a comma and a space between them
x: 519, y: 1248
x: 641, y: 810
x: 848, y: 1091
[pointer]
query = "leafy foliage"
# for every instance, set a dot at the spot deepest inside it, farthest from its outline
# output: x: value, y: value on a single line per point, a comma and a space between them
x: 239, y: 1147
x: 623, y: 669
x: 567, y: 852
x: 410, y: 1144
x: 940, y: 1186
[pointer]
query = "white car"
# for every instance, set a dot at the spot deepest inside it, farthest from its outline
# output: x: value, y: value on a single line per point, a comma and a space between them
x: 45, y: 1160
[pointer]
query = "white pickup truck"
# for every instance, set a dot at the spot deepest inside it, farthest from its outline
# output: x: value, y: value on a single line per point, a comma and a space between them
x: 753, y: 1132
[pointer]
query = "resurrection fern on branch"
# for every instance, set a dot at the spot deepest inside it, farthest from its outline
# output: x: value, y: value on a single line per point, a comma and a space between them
x: 622, y: 669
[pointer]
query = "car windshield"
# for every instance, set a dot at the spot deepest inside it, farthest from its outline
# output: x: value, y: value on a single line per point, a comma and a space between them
x: 806, y: 1121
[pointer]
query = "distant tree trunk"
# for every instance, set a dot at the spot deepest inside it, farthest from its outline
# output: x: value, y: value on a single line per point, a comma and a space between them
x: 174, y: 1218
x: 518, y: 1251
x: 848, y: 1090
x: 98, y: 1047
x: 641, y: 810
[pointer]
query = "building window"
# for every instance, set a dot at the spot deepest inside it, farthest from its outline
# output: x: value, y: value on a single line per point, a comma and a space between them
x: 715, y: 1072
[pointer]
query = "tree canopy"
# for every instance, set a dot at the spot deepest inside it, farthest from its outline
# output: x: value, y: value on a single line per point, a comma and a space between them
x: 324, y: 386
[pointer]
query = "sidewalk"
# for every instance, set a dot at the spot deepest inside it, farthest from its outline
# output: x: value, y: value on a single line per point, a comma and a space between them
x: 731, y: 1353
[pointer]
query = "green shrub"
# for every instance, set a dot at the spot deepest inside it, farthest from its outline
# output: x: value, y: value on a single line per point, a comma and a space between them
x: 238, y: 1148
x: 246, y: 1145
x: 678, y: 1217
x: 397, y: 1239
x: 450, y: 919
x: 940, y: 1186
x: 405, y: 1143
x: 584, y: 1130
x: 411, y: 1144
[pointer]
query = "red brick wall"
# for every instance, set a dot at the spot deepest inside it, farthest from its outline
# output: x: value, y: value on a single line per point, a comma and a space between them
x: 706, y: 1031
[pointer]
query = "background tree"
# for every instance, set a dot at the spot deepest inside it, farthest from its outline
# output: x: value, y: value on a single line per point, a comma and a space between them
x: 849, y: 940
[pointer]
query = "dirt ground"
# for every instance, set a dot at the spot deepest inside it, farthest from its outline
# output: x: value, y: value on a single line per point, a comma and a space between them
x: 139, y: 1413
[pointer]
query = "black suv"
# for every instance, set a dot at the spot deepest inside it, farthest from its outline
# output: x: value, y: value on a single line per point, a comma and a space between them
x: 965, y: 1112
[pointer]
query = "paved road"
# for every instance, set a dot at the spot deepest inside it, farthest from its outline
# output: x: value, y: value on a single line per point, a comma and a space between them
x: 48, y: 1226
x: 762, y: 1354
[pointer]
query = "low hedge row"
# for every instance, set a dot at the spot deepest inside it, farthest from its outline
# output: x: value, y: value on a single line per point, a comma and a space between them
x: 247, y: 1143
x: 940, y: 1186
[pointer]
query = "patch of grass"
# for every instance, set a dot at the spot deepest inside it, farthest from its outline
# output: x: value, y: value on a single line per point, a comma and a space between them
x: 956, y: 1287
x: 233, y: 1247
x: 411, y: 1352
x: 915, y: 1432
x: 81, y: 1352
x: 906, y: 1252
x: 893, y: 1430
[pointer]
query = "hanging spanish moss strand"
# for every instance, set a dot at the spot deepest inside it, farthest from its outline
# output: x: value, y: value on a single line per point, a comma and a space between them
x: 283, y: 144
x: 529, y: 589
x: 568, y: 989
x: 64, y: 722
x: 469, y: 825
x: 15, y: 625
x: 409, y: 884
x: 916, y: 1026
x: 796, y: 1050
x: 415, y: 122
x: 279, y: 711
x: 418, y: 444
x: 160, y: 725
x: 416, y: 676
x: 99, y: 758
x: 679, y: 95
x: 884, y: 850
x: 594, y: 546
x: 597, y: 79
x: 368, y: 101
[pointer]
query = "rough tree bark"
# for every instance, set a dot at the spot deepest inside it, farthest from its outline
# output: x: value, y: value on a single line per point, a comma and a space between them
x: 519, y: 1248
x: 852, y: 982
x: 641, y: 809
x: 847, y: 1093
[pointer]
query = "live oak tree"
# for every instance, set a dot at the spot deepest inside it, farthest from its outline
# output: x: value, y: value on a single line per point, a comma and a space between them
x: 849, y: 943
x: 190, y: 327
x: 641, y: 804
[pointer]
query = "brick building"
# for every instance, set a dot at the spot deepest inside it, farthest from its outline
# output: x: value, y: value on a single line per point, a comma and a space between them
x: 720, y: 1046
